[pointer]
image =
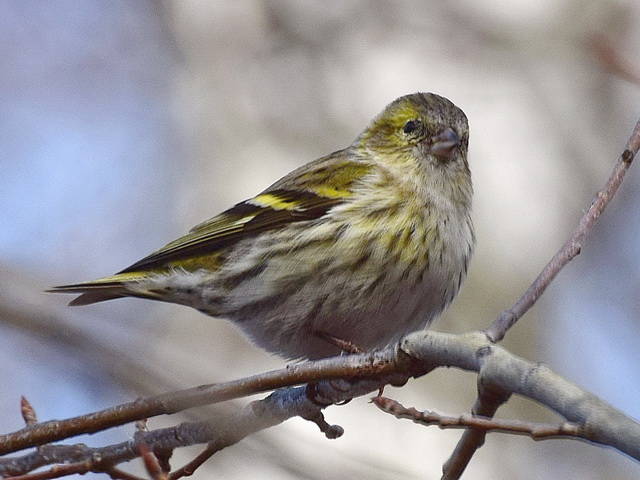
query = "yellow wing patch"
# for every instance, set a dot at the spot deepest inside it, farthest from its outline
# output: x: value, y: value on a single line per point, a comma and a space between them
x: 275, y: 202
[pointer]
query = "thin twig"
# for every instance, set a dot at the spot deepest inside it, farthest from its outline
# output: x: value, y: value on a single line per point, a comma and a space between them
x: 160, y: 456
x: 77, y: 468
x: 573, y: 245
x: 56, y: 471
x: 537, y: 431
x: 486, y: 405
x: 117, y: 474
x: 28, y: 413
x: 193, y: 465
x: 151, y: 463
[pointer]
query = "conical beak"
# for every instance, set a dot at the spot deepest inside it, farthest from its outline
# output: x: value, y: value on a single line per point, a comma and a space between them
x: 443, y: 144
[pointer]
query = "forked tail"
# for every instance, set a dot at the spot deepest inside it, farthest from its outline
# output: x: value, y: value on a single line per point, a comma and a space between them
x: 103, y: 289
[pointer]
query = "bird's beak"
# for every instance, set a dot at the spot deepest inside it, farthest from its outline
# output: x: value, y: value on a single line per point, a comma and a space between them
x: 442, y: 145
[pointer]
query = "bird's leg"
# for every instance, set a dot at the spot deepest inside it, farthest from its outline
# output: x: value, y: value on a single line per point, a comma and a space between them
x: 345, y: 345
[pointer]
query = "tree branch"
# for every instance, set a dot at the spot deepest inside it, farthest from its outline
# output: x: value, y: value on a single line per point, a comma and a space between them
x: 498, y: 370
x: 501, y: 370
x: 219, y: 432
x: 365, y: 365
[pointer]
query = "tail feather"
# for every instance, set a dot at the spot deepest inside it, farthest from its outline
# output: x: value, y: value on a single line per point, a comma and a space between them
x: 100, y: 290
x: 94, y: 297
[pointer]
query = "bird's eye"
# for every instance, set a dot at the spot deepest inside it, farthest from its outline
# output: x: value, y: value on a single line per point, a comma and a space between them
x: 411, y: 126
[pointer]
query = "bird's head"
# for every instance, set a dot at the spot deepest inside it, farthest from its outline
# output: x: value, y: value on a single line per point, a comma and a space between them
x: 422, y: 125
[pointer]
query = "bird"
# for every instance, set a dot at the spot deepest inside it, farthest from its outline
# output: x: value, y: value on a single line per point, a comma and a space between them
x: 351, y: 251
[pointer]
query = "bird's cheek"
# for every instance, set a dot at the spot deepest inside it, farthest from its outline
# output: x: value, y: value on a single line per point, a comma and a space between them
x: 422, y: 150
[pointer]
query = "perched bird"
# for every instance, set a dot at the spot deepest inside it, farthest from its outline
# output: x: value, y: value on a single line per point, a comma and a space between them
x: 356, y: 248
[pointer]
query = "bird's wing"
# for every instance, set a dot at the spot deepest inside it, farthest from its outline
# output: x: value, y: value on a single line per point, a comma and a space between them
x: 307, y: 193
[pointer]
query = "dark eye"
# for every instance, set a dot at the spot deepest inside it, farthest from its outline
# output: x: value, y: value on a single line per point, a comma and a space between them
x: 411, y: 126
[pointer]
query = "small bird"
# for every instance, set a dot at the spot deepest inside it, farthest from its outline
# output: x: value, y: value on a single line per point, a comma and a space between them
x: 356, y: 248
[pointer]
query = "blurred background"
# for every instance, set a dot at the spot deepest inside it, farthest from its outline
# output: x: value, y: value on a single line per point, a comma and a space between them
x: 125, y: 123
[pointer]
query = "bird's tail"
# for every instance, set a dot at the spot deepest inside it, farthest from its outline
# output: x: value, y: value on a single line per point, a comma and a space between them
x: 102, y: 289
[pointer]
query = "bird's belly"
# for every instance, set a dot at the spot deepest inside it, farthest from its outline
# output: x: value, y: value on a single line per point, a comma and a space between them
x: 369, y: 308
